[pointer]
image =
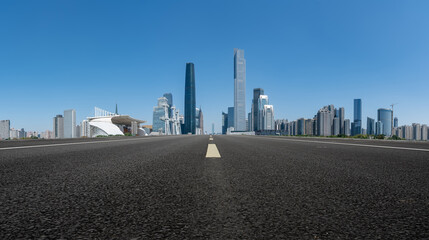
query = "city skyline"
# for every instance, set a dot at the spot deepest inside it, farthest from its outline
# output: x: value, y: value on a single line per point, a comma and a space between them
x: 329, y: 60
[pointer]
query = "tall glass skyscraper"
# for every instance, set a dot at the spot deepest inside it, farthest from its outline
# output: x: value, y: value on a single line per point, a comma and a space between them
x: 230, y: 117
x: 190, y: 103
x: 370, y: 124
x: 169, y: 97
x: 239, y: 90
x: 357, y: 121
x: 385, y: 117
x: 255, y: 108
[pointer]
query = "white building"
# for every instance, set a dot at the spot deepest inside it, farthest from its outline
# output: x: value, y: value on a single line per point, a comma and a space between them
x: 268, y: 117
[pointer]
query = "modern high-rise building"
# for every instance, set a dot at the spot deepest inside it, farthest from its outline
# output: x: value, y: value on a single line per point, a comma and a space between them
x: 395, y: 122
x: 230, y: 117
x: 268, y: 117
x: 417, y: 131
x: 300, y: 126
x: 4, y: 129
x: 347, y: 127
x: 190, y: 101
x: 357, y: 117
x: 262, y: 101
x: 199, y: 121
x: 70, y: 123
x: 379, y: 128
x: 58, y: 126
x: 424, y: 133
x: 255, y: 108
x: 239, y: 90
x: 224, y: 122
x: 385, y: 116
x: 213, y: 131
x: 160, y: 112
x: 169, y: 97
x: 341, y: 118
x: 370, y: 126
x: 325, y: 120
x: 336, y: 126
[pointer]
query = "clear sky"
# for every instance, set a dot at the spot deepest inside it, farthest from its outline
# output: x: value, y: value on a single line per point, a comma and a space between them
x: 57, y: 55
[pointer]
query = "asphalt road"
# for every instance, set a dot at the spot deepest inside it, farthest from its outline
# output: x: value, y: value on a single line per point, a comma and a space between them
x: 260, y: 188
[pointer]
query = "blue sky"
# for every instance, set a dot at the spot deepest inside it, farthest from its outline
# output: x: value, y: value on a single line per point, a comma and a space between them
x: 56, y: 55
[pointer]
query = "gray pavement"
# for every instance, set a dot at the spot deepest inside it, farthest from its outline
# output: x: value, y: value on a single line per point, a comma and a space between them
x: 260, y: 188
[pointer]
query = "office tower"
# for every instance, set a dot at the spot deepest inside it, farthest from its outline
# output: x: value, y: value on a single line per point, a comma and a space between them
x: 395, y: 122
x: 190, y: 101
x: 70, y: 123
x: 417, y: 131
x: 424, y: 132
x: 370, y: 126
x: 249, y: 122
x: 325, y: 120
x: 268, y: 117
x: 262, y: 101
x: 301, y: 126
x: 239, y: 90
x: 169, y: 97
x: 160, y: 113
x: 379, y: 128
x: 385, y: 116
x: 4, y: 129
x: 357, y: 121
x: 213, y: 131
x: 78, y: 127
x: 308, y: 127
x: 224, y: 122
x: 58, y: 126
x: 255, y: 108
x: 22, y: 133
x: 336, y: 126
x: 341, y: 118
x: 230, y: 117
x: 347, y: 127
x: 199, y: 121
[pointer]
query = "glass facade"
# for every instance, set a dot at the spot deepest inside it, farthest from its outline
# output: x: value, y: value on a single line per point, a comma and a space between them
x: 385, y: 117
x: 357, y: 121
x: 190, y: 102
x: 370, y: 126
x: 239, y: 90
x: 255, y: 109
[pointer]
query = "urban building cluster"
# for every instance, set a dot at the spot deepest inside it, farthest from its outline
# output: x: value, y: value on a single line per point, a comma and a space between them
x: 168, y: 121
x: 329, y: 121
x: 261, y: 115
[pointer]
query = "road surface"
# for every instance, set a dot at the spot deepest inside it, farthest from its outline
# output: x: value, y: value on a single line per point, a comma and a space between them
x: 224, y: 187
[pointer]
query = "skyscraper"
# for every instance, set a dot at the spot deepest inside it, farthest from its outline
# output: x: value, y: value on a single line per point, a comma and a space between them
x: 341, y: 118
x: 239, y: 90
x: 190, y: 102
x: 58, y: 126
x: 347, y: 127
x: 255, y: 108
x: 268, y: 117
x: 370, y: 126
x: 396, y: 122
x: 169, y: 97
x: 379, y: 128
x: 357, y: 121
x: 262, y: 101
x: 230, y: 117
x: 301, y: 126
x: 224, y: 122
x: 70, y: 123
x: 325, y: 120
x: 385, y: 116
x: 159, y: 113
x: 4, y: 129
